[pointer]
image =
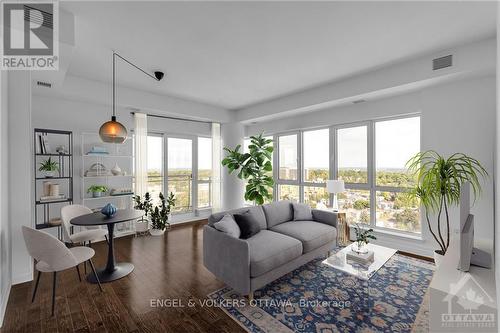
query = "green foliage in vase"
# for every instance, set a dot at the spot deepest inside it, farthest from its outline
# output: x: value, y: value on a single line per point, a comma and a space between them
x: 159, y: 214
x: 363, y: 235
x: 97, y: 189
x: 49, y: 165
x: 255, y: 167
x: 145, y: 205
x: 439, y: 181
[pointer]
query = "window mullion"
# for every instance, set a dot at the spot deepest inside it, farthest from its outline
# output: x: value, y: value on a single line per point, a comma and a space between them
x: 371, y: 171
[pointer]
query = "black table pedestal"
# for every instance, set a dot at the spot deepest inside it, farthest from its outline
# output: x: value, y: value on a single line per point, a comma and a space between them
x: 113, y: 271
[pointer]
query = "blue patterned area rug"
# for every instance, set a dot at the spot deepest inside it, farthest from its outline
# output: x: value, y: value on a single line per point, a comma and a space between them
x: 317, y: 298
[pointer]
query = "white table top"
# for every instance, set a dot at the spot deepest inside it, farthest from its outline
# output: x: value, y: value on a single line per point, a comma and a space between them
x: 381, y: 255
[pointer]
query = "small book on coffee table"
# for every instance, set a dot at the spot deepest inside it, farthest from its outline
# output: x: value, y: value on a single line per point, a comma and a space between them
x: 362, y: 258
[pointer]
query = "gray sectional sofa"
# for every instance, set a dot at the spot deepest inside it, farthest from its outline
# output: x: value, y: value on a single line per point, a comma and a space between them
x: 281, y: 246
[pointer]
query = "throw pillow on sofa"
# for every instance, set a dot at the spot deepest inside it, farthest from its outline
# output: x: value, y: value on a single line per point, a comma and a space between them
x: 249, y: 226
x: 301, y: 212
x: 229, y: 226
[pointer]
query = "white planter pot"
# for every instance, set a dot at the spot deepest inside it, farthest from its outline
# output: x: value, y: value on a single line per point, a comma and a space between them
x: 438, y: 258
x: 142, y: 225
x: 50, y: 174
x: 156, y: 232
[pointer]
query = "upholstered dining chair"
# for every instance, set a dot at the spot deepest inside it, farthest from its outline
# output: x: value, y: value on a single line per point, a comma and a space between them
x: 90, y: 234
x: 53, y: 256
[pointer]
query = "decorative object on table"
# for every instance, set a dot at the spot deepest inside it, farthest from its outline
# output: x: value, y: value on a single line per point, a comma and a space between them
x: 97, y: 190
x: 121, y: 191
x: 44, y: 208
x: 54, y: 190
x: 142, y: 225
x: 109, y: 210
x: 255, y: 167
x: 56, y: 221
x: 116, y: 171
x: 98, y: 150
x: 113, y: 131
x: 61, y: 150
x: 49, y: 167
x: 96, y: 170
x: 335, y: 186
x: 343, y: 230
x: 363, y: 236
x: 160, y: 215
x: 363, y: 258
x: 46, y: 188
x: 439, y: 181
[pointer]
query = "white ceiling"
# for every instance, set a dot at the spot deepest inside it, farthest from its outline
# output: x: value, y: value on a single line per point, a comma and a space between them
x: 235, y: 54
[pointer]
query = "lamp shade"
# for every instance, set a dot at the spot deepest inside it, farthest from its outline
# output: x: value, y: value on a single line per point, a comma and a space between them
x: 113, y: 131
x: 335, y: 186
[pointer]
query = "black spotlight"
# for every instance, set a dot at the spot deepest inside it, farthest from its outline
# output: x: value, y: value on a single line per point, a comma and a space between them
x: 159, y: 75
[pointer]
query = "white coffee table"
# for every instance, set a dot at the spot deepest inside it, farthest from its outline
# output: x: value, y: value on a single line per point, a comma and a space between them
x: 363, y: 272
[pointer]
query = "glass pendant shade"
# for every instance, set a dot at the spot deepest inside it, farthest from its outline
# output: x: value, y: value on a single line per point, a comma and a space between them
x: 113, y: 131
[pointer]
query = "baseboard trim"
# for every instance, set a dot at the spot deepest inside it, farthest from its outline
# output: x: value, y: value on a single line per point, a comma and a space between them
x: 416, y: 256
x: 3, y: 304
x: 27, y: 277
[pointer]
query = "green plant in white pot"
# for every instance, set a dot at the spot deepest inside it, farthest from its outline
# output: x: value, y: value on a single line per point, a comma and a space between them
x: 255, y: 167
x: 161, y: 214
x: 49, y: 167
x: 146, y: 206
x: 97, y: 190
x: 439, y: 181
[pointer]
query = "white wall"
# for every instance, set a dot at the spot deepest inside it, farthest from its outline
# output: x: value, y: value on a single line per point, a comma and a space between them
x: 20, y: 171
x: 5, y: 235
x: 455, y: 117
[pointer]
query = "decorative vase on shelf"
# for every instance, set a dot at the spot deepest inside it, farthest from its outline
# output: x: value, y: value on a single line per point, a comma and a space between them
x: 50, y: 174
x: 109, y: 210
x: 156, y: 232
x: 116, y: 171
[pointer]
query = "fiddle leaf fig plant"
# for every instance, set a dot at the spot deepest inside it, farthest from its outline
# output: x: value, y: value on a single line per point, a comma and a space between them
x: 255, y: 167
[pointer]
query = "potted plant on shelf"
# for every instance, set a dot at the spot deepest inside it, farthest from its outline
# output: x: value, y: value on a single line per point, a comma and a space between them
x: 438, y: 184
x: 363, y: 237
x: 97, y: 190
x: 49, y: 167
x: 146, y: 206
x: 161, y: 214
x: 255, y: 167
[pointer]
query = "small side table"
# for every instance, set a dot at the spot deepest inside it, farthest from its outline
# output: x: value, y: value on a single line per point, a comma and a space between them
x: 343, y: 230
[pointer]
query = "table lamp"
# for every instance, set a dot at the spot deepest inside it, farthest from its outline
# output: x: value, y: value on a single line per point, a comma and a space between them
x: 335, y: 186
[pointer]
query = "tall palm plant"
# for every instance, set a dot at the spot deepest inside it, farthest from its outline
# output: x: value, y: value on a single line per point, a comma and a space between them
x: 439, y: 180
x: 254, y: 166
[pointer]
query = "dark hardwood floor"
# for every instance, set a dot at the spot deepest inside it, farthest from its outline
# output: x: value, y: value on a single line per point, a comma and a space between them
x: 168, y: 267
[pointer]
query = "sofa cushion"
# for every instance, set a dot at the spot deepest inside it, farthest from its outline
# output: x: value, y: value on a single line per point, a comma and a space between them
x: 311, y: 234
x: 256, y: 211
x: 278, y: 212
x: 248, y: 225
x: 269, y: 250
x: 228, y: 225
x: 301, y: 212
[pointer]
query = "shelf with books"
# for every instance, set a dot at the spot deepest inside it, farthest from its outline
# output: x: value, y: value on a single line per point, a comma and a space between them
x: 53, y: 175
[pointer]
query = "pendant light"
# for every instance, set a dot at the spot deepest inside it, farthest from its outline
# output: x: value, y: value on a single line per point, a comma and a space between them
x: 113, y: 131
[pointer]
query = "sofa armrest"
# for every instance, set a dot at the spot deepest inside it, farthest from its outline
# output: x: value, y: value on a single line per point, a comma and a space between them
x: 228, y: 258
x: 325, y: 216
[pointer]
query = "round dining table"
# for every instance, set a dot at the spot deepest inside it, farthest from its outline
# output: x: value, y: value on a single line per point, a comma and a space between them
x: 113, y: 270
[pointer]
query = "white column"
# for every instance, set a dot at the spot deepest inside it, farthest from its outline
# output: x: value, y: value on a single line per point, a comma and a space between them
x: 20, y: 171
x: 233, y: 189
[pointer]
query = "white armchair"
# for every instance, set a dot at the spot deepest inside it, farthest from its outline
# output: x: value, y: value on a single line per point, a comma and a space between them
x: 53, y: 256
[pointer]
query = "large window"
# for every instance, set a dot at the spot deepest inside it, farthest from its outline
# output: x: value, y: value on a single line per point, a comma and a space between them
x: 370, y: 157
x: 182, y: 165
x: 204, y: 172
x: 396, y: 141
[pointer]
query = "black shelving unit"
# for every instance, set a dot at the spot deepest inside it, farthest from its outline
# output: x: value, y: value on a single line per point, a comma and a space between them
x: 64, y: 176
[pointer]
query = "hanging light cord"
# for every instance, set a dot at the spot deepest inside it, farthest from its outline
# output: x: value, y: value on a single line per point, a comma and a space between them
x: 114, y: 77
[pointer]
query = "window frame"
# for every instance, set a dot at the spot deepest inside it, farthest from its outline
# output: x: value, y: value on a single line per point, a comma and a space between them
x: 370, y: 185
x: 194, y: 167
